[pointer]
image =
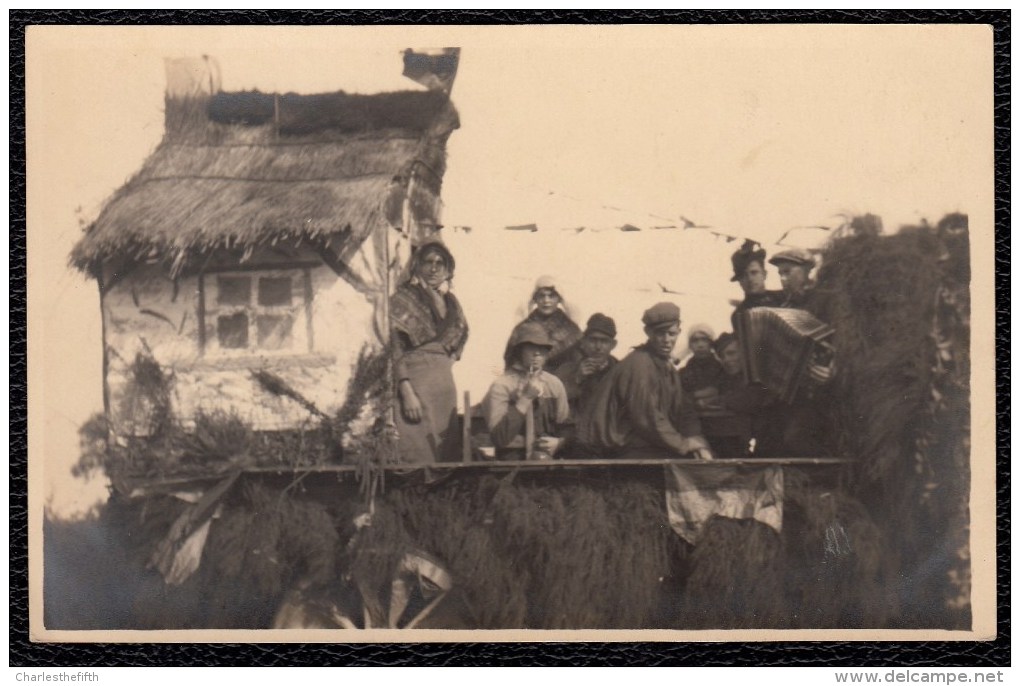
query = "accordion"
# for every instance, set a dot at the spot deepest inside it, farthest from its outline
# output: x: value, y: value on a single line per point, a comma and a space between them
x: 779, y: 344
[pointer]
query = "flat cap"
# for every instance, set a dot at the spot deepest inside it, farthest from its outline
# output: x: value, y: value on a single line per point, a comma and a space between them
x: 600, y: 323
x: 661, y: 314
x: 794, y: 256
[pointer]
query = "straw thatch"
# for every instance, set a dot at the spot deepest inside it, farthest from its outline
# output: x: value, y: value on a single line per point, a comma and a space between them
x: 316, y: 168
x: 901, y: 310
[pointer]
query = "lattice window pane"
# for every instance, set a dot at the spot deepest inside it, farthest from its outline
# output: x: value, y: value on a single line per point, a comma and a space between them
x: 233, y: 290
x: 232, y: 330
x: 275, y: 291
x: 274, y: 331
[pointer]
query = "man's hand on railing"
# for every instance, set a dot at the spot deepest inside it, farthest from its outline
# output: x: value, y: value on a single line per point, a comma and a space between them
x: 702, y: 454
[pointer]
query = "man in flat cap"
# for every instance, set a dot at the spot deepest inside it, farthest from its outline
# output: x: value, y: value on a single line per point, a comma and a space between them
x: 799, y: 291
x: 582, y: 374
x: 807, y: 419
x: 641, y: 411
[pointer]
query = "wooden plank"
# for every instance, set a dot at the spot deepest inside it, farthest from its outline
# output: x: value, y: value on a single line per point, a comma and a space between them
x: 138, y: 487
x: 465, y: 429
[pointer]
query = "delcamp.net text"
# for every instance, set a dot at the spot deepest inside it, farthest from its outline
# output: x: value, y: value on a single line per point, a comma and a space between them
x: 910, y: 676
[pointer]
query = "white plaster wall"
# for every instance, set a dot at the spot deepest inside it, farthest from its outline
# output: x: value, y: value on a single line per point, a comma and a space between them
x: 141, y: 311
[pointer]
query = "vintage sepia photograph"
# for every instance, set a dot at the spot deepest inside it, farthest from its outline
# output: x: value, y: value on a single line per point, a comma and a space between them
x: 493, y: 333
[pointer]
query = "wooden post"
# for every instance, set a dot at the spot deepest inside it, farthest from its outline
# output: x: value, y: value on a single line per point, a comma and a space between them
x: 465, y: 434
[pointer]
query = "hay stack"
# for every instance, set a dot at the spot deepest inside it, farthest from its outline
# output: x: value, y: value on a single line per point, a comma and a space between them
x: 901, y: 311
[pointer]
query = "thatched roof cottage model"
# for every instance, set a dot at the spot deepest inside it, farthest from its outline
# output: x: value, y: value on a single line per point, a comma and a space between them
x: 246, y: 265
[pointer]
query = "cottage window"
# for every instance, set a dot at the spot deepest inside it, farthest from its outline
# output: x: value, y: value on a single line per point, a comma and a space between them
x: 257, y: 312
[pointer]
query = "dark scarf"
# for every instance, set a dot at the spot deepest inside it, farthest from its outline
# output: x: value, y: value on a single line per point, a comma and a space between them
x: 414, y: 314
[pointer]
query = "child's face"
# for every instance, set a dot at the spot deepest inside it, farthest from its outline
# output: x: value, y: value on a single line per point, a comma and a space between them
x: 700, y: 345
x: 730, y: 358
x: 546, y: 301
x: 532, y: 356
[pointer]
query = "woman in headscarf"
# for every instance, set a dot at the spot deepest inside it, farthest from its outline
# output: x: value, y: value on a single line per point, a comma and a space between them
x: 429, y: 333
x: 548, y: 310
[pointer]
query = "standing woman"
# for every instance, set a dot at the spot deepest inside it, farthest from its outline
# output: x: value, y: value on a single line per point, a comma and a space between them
x: 548, y: 310
x: 429, y: 333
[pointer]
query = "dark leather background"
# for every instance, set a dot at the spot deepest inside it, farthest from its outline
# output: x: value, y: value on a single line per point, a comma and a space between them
x: 25, y: 653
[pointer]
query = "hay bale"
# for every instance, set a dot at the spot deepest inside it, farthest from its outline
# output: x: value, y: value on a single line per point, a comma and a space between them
x: 735, y: 578
x: 531, y: 555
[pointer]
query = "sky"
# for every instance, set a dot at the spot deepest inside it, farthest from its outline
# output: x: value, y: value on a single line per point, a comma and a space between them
x: 752, y: 131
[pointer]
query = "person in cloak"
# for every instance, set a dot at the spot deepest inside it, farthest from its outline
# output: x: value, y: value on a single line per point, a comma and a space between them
x: 642, y: 411
x: 429, y: 334
x: 548, y: 310
x: 526, y: 408
x: 749, y: 270
x: 702, y: 373
x: 582, y: 375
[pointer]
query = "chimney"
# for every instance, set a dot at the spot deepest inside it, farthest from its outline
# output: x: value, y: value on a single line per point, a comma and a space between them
x: 190, y: 83
x: 188, y: 77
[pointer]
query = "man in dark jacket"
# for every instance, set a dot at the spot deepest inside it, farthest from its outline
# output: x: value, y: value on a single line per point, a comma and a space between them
x: 641, y: 410
x: 808, y: 423
x: 743, y: 411
x: 749, y: 271
x: 582, y: 375
x: 799, y: 290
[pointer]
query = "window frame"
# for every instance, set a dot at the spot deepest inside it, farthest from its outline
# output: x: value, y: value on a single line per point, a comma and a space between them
x: 209, y: 310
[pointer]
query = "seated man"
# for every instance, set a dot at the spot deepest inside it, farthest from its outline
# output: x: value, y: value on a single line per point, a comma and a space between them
x: 702, y: 373
x: 581, y: 376
x: 742, y: 411
x: 641, y: 411
x: 526, y: 407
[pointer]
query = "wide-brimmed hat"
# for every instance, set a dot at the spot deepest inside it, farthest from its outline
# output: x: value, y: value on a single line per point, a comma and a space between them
x: 526, y: 332
x: 660, y: 315
x: 750, y: 251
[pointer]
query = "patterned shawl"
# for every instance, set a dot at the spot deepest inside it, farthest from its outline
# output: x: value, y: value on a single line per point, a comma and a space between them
x: 563, y: 332
x: 413, y: 313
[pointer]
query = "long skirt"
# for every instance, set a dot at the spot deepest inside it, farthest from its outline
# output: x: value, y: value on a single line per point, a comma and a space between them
x: 435, y: 437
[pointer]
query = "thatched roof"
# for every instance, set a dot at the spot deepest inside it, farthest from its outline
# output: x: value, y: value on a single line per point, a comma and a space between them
x: 249, y: 169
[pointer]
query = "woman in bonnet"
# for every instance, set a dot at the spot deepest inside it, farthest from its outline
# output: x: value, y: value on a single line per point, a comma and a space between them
x: 549, y: 310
